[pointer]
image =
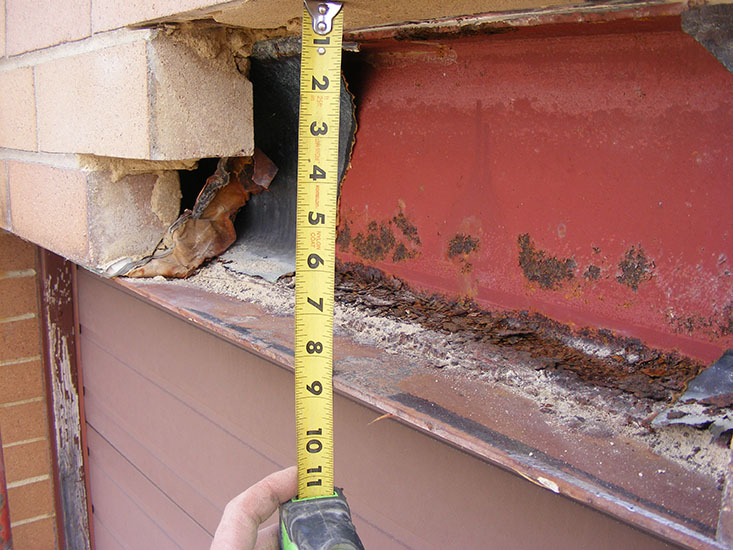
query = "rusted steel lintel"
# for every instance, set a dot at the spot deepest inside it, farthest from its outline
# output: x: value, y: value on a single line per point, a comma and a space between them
x: 65, y: 394
x: 598, y: 13
x: 576, y: 485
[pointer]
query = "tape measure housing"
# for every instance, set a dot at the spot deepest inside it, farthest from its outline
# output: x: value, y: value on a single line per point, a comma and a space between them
x: 315, y: 254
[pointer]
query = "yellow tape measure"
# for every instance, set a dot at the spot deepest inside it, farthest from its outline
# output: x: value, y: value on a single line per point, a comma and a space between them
x: 315, y: 249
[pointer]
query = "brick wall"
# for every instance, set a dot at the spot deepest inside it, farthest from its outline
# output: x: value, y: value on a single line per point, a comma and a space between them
x: 95, y: 120
x: 23, y: 413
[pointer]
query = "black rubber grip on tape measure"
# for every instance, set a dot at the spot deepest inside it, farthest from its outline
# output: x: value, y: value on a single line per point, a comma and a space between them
x: 320, y: 524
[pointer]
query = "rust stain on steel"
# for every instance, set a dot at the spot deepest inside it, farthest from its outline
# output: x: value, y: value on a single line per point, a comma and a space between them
x: 379, y: 239
x: 593, y: 273
x: 635, y: 268
x: 462, y: 245
x: 539, y: 267
x: 407, y: 227
x: 343, y: 235
x: 376, y: 243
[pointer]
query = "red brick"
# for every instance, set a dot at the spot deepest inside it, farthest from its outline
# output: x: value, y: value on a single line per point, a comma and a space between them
x: 15, y: 253
x: 48, y: 206
x: 42, y: 23
x: 17, y: 296
x: 29, y: 501
x: 21, y: 381
x: 17, y: 109
x: 38, y: 534
x: 27, y: 460
x: 19, y: 339
x: 22, y: 422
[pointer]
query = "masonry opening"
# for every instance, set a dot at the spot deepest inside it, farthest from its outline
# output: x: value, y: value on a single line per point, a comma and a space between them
x: 192, y: 181
x: 265, y: 227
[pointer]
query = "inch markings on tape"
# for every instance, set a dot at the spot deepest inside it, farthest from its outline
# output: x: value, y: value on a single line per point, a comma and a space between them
x: 315, y: 250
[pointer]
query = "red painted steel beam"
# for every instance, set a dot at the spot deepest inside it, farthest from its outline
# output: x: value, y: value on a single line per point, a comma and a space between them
x: 580, y: 171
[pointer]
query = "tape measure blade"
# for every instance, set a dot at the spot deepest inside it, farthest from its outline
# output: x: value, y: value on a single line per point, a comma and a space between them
x: 318, y: 142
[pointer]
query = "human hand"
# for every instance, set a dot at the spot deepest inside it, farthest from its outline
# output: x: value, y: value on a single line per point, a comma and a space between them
x: 238, y: 528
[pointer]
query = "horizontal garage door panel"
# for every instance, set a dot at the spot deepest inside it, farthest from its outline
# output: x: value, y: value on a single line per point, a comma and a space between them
x: 191, y: 364
x: 199, y: 451
x: 108, y: 465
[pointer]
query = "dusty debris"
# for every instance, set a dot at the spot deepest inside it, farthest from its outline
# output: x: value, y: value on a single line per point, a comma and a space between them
x: 208, y: 229
x: 635, y: 268
x: 549, y: 271
x: 707, y: 401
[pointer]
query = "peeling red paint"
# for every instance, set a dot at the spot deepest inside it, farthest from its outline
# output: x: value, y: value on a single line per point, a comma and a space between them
x: 64, y: 382
x: 592, y: 143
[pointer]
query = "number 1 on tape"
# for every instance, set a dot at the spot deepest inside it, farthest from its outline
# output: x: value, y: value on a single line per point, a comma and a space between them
x: 315, y: 252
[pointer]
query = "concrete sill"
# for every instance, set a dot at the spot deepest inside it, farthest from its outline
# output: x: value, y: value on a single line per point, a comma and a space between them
x: 609, y: 470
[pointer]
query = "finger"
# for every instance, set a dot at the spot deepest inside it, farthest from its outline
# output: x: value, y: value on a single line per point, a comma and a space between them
x: 263, y: 498
x: 267, y: 538
x: 245, y: 512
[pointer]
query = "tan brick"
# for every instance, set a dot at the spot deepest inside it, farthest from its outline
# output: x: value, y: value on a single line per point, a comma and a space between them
x: 48, y: 206
x: 15, y: 253
x: 21, y: 381
x: 17, y: 109
x: 22, y: 422
x: 17, y: 296
x: 128, y: 217
x: 2, y: 32
x: 30, y: 501
x: 37, y: 534
x: 202, y: 106
x: 42, y: 23
x: 4, y: 204
x: 27, y: 460
x: 162, y: 97
x: 19, y: 339
x: 96, y: 102
x: 112, y: 14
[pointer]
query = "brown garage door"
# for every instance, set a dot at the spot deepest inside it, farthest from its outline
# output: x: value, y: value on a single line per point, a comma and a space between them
x: 179, y: 421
